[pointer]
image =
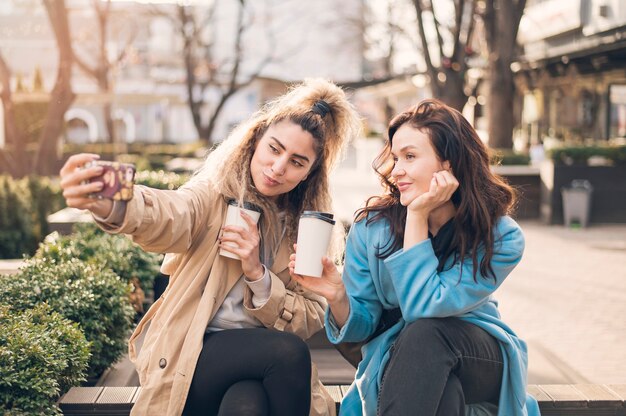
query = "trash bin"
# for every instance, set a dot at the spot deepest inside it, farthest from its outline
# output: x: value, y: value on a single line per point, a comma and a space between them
x: 577, y: 202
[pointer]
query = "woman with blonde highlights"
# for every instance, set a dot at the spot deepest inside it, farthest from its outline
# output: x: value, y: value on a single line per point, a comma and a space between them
x: 205, y: 346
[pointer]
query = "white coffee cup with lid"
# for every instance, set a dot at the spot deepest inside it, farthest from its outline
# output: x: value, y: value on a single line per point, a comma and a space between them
x: 314, y: 233
x: 233, y: 217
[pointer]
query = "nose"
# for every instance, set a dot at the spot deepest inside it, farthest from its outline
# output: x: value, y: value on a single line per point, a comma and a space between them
x: 397, y: 171
x: 279, y: 166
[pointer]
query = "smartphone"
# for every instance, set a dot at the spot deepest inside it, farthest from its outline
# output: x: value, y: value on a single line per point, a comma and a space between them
x: 118, y: 179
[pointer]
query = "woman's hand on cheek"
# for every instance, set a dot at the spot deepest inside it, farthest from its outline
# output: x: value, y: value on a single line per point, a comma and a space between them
x: 329, y: 285
x: 442, y: 186
x: 247, y: 246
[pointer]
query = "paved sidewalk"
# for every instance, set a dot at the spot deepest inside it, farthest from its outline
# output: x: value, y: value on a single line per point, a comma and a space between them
x: 567, y: 299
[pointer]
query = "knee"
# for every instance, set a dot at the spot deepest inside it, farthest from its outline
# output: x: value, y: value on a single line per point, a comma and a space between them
x: 422, y: 333
x: 245, y: 398
x: 293, y: 350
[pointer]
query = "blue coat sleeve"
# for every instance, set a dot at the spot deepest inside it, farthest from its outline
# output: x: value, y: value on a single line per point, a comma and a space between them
x: 365, y: 307
x: 425, y: 293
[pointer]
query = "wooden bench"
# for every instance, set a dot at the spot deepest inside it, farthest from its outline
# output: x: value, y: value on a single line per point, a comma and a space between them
x: 554, y: 399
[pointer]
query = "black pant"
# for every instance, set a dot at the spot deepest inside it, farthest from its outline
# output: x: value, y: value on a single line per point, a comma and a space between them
x: 251, y: 372
x: 439, y: 365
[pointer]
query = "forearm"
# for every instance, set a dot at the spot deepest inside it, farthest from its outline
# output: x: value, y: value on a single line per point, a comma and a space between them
x: 340, y: 309
x: 416, y: 228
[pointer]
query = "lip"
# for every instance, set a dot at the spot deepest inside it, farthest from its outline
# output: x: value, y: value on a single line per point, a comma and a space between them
x: 270, y: 181
x: 403, y: 186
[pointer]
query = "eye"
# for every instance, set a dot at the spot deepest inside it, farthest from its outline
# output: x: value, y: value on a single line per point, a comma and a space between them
x: 273, y: 149
x: 395, y: 159
x: 297, y: 163
x: 410, y: 156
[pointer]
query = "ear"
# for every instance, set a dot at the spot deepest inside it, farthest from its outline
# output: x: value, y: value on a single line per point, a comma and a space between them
x: 446, y: 165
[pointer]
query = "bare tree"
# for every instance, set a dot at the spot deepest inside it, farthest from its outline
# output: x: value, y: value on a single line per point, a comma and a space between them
x: 501, y: 19
x: 102, y: 65
x: 446, y: 64
x: 62, y: 95
x: 13, y: 157
x: 203, y: 71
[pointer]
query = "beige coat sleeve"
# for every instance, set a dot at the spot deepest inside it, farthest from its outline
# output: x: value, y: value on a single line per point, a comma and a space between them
x: 166, y: 221
x: 289, y: 308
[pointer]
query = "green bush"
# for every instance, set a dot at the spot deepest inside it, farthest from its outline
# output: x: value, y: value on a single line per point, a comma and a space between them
x: 507, y: 157
x: 42, y: 355
x: 96, y: 298
x: 24, y: 207
x: 93, y: 246
x: 580, y: 153
x: 146, y: 149
x: 160, y: 179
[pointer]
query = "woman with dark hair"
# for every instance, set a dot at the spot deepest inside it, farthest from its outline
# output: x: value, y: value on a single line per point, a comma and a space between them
x: 431, y: 251
x: 226, y: 337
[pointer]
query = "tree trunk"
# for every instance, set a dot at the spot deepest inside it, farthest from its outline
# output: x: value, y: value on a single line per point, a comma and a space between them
x: 61, y: 96
x: 501, y: 21
x: 500, y: 105
x: 109, y: 122
x: 452, y: 91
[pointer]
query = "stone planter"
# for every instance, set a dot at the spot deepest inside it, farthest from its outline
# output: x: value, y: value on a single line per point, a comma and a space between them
x: 609, y: 191
x: 525, y: 179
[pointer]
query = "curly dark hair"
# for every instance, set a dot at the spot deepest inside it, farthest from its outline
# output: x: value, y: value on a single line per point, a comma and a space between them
x: 482, y: 197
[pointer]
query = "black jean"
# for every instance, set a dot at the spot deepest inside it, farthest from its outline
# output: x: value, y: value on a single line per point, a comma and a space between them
x: 251, y: 372
x: 437, y: 366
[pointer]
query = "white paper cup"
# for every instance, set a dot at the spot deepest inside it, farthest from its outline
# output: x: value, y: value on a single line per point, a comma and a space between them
x: 233, y: 217
x: 314, y: 232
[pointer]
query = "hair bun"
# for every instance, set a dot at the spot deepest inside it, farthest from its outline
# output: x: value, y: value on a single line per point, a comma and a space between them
x: 321, y: 107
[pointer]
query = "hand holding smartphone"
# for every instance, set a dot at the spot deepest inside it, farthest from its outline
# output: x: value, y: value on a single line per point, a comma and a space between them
x: 117, y: 179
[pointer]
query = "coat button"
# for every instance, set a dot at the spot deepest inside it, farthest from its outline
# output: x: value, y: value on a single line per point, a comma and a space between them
x: 162, y: 362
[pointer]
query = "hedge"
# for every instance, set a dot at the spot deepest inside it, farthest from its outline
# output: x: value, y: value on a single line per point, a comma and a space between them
x: 24, y: 207
x: 42, y: 355
x: 95, y: 298
x: 115, y: 252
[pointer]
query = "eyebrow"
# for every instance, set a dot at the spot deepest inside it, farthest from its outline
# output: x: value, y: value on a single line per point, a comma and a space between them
x: 282, y: 146
x: 403, y: 149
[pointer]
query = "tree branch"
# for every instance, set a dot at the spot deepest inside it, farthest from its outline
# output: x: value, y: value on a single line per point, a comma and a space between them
x: 489, y: 20
x: 430, y: 68
x: 439, y: 38
x: 518, y: 12
x: 459, y: 6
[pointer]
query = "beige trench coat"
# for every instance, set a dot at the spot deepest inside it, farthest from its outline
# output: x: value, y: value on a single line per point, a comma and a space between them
x: 187, y: 222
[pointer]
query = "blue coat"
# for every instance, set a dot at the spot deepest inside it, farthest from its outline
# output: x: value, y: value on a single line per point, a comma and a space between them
x: 409, y: 279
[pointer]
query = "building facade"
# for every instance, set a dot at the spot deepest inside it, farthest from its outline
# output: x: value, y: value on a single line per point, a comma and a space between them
x: 147, y: 92
x: 572, y: 73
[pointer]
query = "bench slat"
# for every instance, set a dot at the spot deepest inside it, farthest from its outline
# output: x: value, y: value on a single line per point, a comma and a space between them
x: 81, y: 395
x: 554, y: 400
x: 564, y: 395
x: 134, y: 400
x: 117, y: 395
x: 598, y: 395
x: 619, y: 390
x: 541, y: 396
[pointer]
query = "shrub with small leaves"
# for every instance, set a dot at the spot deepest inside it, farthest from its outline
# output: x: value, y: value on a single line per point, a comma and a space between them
x: 94, y: 297
x: 94, y: 246
x: 42, y: 355
x: 24, y: 205
x: 160, y: 179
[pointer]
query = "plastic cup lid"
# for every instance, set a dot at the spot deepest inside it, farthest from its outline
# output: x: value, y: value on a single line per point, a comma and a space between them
x: 246, y: 205
x: 324, y: 216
